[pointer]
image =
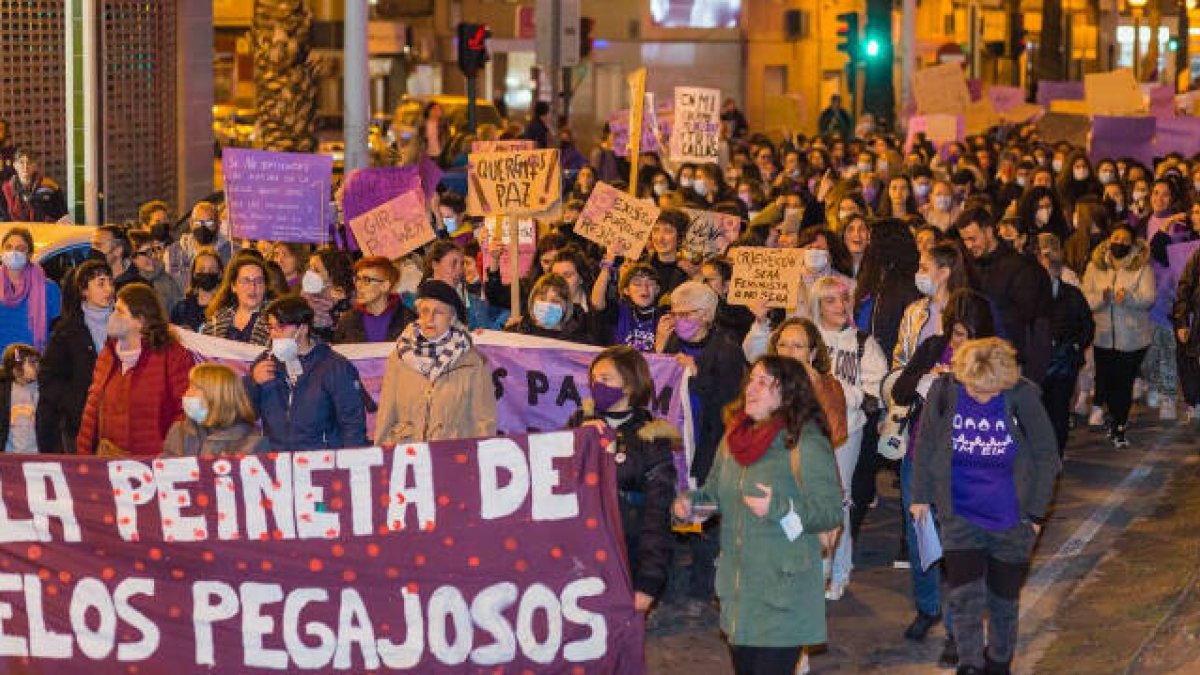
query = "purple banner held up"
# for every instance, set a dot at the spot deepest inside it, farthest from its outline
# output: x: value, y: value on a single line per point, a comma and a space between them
x: 1178, y: 134
x: 1123, y: 137
x: 1050, y: 90
x: 277, y: 196
x: 366, y: 189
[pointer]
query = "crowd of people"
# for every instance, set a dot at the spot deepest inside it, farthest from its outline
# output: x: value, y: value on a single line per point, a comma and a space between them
x: 988, y: 295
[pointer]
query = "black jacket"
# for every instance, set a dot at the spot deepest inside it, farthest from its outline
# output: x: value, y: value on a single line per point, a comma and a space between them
x: 646, y: 481
x: 1019, y: 290
x: 63, y: 381
x: 670, y: 275
x: 188, y: 313
x: 351, y: 329
x: 1186, y: 311
x: 577, y: 329
x: 888, y: 302
x: 904, y: 392
x: 718, y: 380
x: 1072, y: 330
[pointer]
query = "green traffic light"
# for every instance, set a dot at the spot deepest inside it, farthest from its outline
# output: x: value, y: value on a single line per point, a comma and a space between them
x: 872, y: 48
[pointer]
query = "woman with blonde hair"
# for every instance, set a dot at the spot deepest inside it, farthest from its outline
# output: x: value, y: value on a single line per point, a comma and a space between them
x: 988, y: 461
x: 219, y: 417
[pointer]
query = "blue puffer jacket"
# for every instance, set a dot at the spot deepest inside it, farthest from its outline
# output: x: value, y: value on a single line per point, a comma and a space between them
x: 323, y: 410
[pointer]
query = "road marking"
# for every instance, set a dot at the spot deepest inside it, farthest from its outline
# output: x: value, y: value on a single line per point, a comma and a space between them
x: 1049, y: 573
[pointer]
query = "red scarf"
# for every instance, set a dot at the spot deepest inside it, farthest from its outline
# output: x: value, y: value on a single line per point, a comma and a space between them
x: 748, y: 440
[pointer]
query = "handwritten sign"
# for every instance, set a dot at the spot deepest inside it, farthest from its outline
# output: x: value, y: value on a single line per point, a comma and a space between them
x: 941, y: 89
x: 770, y: 275
x: 697, y: 125
x: 512, y: 183
x: 710, y: 232
x: 1113, y: 94
x: 656, y: 125
x: 278, y: 196
x: 395, y: 228
x: 613, y: 217
x: 494, y: 227
x: 511, y: 145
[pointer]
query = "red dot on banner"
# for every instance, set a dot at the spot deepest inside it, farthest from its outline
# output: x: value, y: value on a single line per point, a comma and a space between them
x: 578, y: 670
x: 170, y: 538
x: 116, y: 492
x: 336, y: 503
x: 349, y: 576
x: 460, y: 458
x: 410, y: 451
x: 393, y: 573
x: 328, y: 459
x: 473, y: 561
x: 382, y: 529
x: 397, y: 524
x: 331, y: 533
x: 521, y: 566
x: 159, y: 465
x: 591, y: 478
x: 83, y: 468
x: 52, y: 590
x: 182, y: 500
x: 64, y: 576
x: 302, y: 461
x: 429, y: 525
x: 155, y: 554
x: 135, y: 537
x: 443, y: 500
x: 276, y: 485
x: 315, y: 565
x: 202, y: 500
x: 222, y: 515
x: 272, y: 456
x: 264, y: 537
x: 200, y: 533
x: 373, y: 550
x: 419, y: 560
x: 194, y: 475
x: 448, y: 541
x: 174, y: 612
x: 384, y: 500
x: 107, y: 519
x: 177, y: 573
x: 34, y: 552
x: 139, y: 566
x: 412, y: 587
x: 208, y: 556
x: 336, y: 485
x: 241, y: 565
x: 118, y: 468
x: 133, y: 669
x: 510, y: 544
x: 591, y: 523
x: 601, y: 555
x: 555, y: 552
x: 337, y: 550
x: 399, y: 497
x: 277, y: 534
x: 266, y: 565
x: 168, y: 521
x: 148, y: 477
x: 107, y: 573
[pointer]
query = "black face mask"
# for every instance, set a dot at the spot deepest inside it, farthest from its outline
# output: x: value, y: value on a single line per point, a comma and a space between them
x: 204, y: 236
x: 1119, y: 251
x: 161, y: 232
x: 206, y: 281
x: 97, y: 254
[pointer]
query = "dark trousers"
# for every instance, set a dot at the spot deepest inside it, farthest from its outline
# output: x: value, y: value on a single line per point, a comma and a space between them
x: 1115, y: 373
x: 764, y: 660
x: 704, y: 548
x: 862, y: 483
x: 1057, y: 392
x: 1189, y: 374
x: 985, y: 571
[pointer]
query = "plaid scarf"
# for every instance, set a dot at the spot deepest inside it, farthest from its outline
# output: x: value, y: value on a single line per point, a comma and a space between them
x: 431, y: 358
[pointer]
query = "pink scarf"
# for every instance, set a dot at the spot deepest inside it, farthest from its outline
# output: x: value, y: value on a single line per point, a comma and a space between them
x: 32, y: 286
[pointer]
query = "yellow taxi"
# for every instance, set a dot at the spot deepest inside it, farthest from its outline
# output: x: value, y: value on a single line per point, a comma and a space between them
x: 56, y: 247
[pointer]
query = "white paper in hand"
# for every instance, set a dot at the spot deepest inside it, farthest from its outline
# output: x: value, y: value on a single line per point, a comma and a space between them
x: 929, y: 545
x: 792, y: 527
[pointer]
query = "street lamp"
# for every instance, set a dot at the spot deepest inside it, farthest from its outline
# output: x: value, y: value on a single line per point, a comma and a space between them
x: 1136, y: 7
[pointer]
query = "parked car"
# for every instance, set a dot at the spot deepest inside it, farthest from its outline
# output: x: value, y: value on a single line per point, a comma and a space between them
x: 57, y: 248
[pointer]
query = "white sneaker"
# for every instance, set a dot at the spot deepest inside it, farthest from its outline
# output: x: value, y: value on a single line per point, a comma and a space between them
x: 1167, y: 409
x: 1152, y: 398
x: 836, y: 590
x: 1096, y: 419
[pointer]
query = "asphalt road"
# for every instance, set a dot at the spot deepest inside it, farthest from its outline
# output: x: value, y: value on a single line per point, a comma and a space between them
x: 1112, y: 588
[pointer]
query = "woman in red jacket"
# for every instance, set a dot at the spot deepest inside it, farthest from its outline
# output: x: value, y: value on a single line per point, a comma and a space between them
x: 139, y: 381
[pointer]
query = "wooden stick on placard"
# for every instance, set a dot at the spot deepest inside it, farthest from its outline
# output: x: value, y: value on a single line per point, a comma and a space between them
x: 514, y: 261
x: 637, y: 92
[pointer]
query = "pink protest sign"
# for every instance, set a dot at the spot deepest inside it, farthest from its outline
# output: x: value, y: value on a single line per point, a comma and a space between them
x: 394, y: 228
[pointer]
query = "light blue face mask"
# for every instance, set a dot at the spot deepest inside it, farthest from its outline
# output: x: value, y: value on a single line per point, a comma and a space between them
x: 194, y: 408
x: 547, y: 314
x: 450, y: 224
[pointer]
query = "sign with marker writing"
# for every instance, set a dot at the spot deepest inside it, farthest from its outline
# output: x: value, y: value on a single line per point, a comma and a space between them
x: 770, y: 275
x: 612, y: 216
x: 510, y: 145
x: 710, y: 232
x: 513, y: 183
x: 278, y: 196
x: 395, y: 228
x: 695, y: 137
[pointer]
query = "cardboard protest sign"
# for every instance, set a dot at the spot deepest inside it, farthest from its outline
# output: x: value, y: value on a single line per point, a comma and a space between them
x: 1123, y: 137
x: 1070, y: 107
x: 513, y: 183
x: 278, y: 196
x: 366, y: 189
x: 1055, y: 127
x: 1005, y: 98
x: 696, y: 134
x: 1024, y: 112
x: 613, y: 217
x: 784, y: 113
x: 980, y: 116
x: 394, y: 229
x: 770, y: 275
x: 1177, y: 134
x: 941, y: 89
x: 500, y: 227
x: 938, y: 129
x: 710, y: 232
x: 511, y: 145
x: 1051, y: 90
x: 1113, y: 94
x: 426, y: 557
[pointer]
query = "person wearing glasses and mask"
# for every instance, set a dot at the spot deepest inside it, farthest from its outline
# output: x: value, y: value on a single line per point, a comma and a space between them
x: 307, y: 395
x: 203, y: 231
x: 148, y: 268
x: 378, y: 314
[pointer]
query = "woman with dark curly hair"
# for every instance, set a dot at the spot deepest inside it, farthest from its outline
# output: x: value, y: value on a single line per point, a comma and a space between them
x: 1041, y: 211
x: 139, y: 381
x: 328, y: 286
x: 885, y: 284
x: 775, y: 485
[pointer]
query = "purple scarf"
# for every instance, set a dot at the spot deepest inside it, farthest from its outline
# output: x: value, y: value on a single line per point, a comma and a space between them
x: 31, y: 287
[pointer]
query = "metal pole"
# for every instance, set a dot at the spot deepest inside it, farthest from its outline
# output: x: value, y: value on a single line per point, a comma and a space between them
x: 91, y: 112
x: 357, y: 115
x: 555, y: 71
x: 472, y: 83
x: 908, y: 51
x: 973, y: 39
x: 1183, y: 57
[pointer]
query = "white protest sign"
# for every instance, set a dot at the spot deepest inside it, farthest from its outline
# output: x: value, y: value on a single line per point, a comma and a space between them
x: 695, y: 136
x: 770, y: 275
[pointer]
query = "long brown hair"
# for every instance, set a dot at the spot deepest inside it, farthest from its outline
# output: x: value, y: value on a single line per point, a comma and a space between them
x: 798, y: 401
x: 145, y: 305
x: 224, y: 296
x: 821, y: 361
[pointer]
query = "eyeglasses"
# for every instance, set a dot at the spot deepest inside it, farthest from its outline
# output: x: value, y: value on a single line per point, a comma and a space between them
x: 150, y: 252
x: 685, y: 314
x: 364, y: 279
x: 256, y: 281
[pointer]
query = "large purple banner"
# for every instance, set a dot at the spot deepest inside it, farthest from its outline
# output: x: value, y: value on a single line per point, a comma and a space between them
x: 1114, y: 137
x: 487, y: 555
x: 277, y: 196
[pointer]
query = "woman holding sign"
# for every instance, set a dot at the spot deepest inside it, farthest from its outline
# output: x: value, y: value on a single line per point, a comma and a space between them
x: 775, y: 485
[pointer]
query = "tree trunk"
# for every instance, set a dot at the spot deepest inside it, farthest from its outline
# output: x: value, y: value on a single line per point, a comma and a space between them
x: 1149, y: 69
x: 285, y: 80
x: 1050, y: 59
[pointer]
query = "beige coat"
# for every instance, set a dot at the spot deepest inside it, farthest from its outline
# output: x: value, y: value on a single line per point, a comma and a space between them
x: 461, y: 403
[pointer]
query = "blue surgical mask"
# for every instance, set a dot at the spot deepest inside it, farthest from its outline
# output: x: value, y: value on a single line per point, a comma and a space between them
x: 195, y: 409
x: 450, y: 224
x: 547, y: 314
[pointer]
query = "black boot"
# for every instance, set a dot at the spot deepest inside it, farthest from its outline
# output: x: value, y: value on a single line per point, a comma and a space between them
x: 968, y: 670
x: 949, y: 657
x: 996, y: 667
x: 919, y: 628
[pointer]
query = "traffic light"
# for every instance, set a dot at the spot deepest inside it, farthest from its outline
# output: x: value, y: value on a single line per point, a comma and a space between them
x: 586, y: 25
x: 472, y: 47
x: 871, y: 48
x: 848, y: 36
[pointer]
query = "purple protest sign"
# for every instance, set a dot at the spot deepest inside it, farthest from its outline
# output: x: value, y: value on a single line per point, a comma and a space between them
x: 277, y: 196
x: 1005, y: 98
x: 1179, y: 254
x: 1123, y: 137
x: 1177, y: 134
x: 1051, y: 90
x: 1162, y: 101
x: 447, y: 557
x: 366, y: 189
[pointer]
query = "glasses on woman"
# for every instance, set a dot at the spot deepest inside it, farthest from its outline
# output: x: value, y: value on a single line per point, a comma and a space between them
x: 364, y: 280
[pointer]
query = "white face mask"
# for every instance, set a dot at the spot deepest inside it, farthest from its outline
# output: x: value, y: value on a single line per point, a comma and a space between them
x: 816, y: 259
x: 925, y: 284
x: 1106, y: 177
x: 660, y: 189
x: 285, y: 349
x: 685, y: 182
x: 922, y: 189
x: 1080, y: 173
x: 941, y: 202
x: 1043, y: 216
x: 312, y: 283
x: 700, y: 187
x: 14, y: 260
x: 195, y: 409
x: 1057, y: 165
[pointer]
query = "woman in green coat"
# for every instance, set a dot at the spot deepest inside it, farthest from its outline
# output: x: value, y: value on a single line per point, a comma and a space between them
x: 775, y: 484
